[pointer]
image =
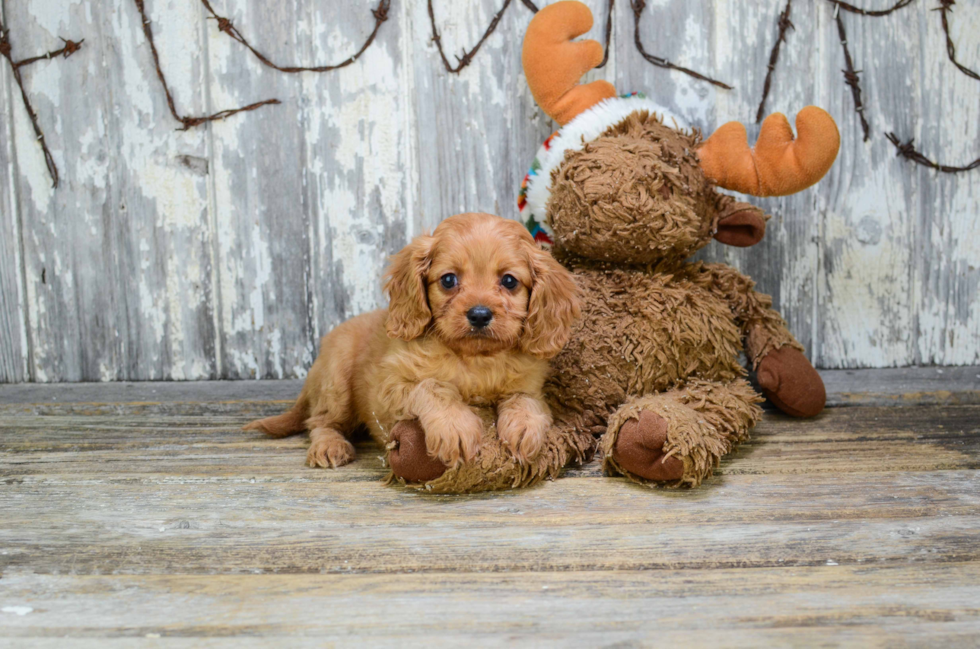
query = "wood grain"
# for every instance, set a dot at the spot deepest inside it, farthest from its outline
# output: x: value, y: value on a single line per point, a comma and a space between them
x: 13, y: 334
x: 754, y: 607
x: 138, y: 519
x: 117, y: 260
x: 228, y: 250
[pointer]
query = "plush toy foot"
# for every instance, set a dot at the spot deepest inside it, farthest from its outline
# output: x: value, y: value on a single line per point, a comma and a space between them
x: 789, y: 381
x: 409, y: 458
x: 639, y: 449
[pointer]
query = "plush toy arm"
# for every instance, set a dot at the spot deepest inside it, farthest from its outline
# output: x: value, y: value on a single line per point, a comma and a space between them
x: 763, y: 329
x: 785, y: 375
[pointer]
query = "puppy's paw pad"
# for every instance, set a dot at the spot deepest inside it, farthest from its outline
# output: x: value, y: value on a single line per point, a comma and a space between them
x: 330, y: 453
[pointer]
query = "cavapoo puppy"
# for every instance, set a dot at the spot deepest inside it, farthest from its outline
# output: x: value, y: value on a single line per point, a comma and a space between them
x: 475, y: 310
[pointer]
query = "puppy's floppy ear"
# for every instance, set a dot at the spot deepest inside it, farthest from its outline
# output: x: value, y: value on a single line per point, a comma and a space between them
x: 405, y: 284
x: 553, y: 308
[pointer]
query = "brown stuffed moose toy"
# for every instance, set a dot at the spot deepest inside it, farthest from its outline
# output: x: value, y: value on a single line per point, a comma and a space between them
x: 625, y: 193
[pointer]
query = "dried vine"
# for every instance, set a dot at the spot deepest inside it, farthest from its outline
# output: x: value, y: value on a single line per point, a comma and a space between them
x: 70, y: 48
x: 908, y: 151
x: 851, y: 77
x: 946, y: 7
x: 463, y: 61
x: 6, y: 50
x: 225, y: 25
x: 187, y: 121
x: 874, y: 13
x: 784, y: 26
x: 638, y: 7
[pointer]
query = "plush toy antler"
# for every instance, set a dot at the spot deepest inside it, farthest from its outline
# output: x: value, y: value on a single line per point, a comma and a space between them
x: 778, y: 165
x: 553, y: 63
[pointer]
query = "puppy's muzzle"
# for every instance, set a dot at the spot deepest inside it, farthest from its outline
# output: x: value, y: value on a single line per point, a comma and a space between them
x: 479, y: 316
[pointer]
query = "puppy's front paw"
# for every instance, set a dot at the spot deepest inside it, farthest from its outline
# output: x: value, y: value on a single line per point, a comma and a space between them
x: 453, y: 436
x: 329, y: 450
x: 523, y: 431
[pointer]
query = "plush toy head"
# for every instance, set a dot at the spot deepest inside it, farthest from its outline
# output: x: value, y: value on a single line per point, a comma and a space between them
x: 625, y: 181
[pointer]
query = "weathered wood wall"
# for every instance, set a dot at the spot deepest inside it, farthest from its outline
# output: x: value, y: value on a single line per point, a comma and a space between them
x: 227, y: 250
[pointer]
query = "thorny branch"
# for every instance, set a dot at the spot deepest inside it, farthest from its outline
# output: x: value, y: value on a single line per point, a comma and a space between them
x: 70, y: 48
x: 851, y: 77
x: 638, y: 7
x: 186, y: 120
x: 463, y: 61
x: 874, y: 13
x: 908, y: 151
x: 225, y: 25
x: 946, y: 7
x: 784, y: 26
x: 6, y: 50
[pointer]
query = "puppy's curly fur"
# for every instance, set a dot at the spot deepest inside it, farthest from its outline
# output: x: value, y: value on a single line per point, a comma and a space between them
x: 423, y: 359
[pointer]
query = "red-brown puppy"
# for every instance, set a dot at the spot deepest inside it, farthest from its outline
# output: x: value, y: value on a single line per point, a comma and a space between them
x: 475, y: 311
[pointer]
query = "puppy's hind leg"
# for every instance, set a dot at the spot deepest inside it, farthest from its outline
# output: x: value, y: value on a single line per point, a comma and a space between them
x: 328, y: 448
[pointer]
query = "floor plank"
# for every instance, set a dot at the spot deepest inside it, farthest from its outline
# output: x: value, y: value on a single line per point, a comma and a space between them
x: 162, y: 518
x: 576, y: 608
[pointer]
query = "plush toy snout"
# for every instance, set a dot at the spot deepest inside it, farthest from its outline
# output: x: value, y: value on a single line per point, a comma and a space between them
x: 743, y: 227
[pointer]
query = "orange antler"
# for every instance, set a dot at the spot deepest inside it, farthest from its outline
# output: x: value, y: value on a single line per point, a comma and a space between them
x: 553, y: 63
x: 778, y: 165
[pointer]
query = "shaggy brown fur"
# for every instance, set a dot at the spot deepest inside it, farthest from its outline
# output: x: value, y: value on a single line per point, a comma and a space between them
x: 653, y: 365
x: 423, y: 360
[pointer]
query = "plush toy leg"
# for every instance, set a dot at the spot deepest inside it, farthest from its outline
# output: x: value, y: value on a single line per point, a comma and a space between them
x: 678, y: 437
x: 494, y: 468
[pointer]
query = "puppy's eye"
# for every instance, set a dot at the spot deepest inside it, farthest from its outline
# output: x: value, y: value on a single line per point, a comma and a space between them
x: 448, y: 281
x: 509, y: 282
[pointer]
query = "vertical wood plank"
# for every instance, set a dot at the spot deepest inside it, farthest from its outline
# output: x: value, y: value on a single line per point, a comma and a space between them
x: 478, y: 131
x: 117, y: 258
x: 13, y: 335
x: 947, y: 248
x: 262, y: 214
x: 865, y: 309
x: 360, y: 166
x: 785, y: 263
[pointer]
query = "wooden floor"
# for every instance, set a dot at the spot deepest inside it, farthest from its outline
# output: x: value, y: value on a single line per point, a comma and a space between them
x: 136, y: 512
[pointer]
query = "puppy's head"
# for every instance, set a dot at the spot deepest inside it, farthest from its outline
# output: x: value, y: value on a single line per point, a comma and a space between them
x: 481, y: 285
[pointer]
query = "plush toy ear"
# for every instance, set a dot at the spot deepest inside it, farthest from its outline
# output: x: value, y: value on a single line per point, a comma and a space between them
x: 405, y: 284
x: 743, y: 226
x: 553, y: 308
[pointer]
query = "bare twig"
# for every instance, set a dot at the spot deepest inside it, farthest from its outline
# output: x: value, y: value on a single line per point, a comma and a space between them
x: 187, y: 121
x: 784, y: 26
x: 874, y: 13
x: 945, y: 8
x: 225, y: 25
x: 6, y: 50
x: 463, y: 61
x: 638, y: 7
x: 851, y: 77
x: 70, y: 48
x: 908, y: 151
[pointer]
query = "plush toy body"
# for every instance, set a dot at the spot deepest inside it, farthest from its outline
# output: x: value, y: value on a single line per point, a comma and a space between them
x: 625, y: 194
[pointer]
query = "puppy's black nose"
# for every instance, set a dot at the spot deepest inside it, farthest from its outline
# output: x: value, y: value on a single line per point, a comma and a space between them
x: 479, y: 316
